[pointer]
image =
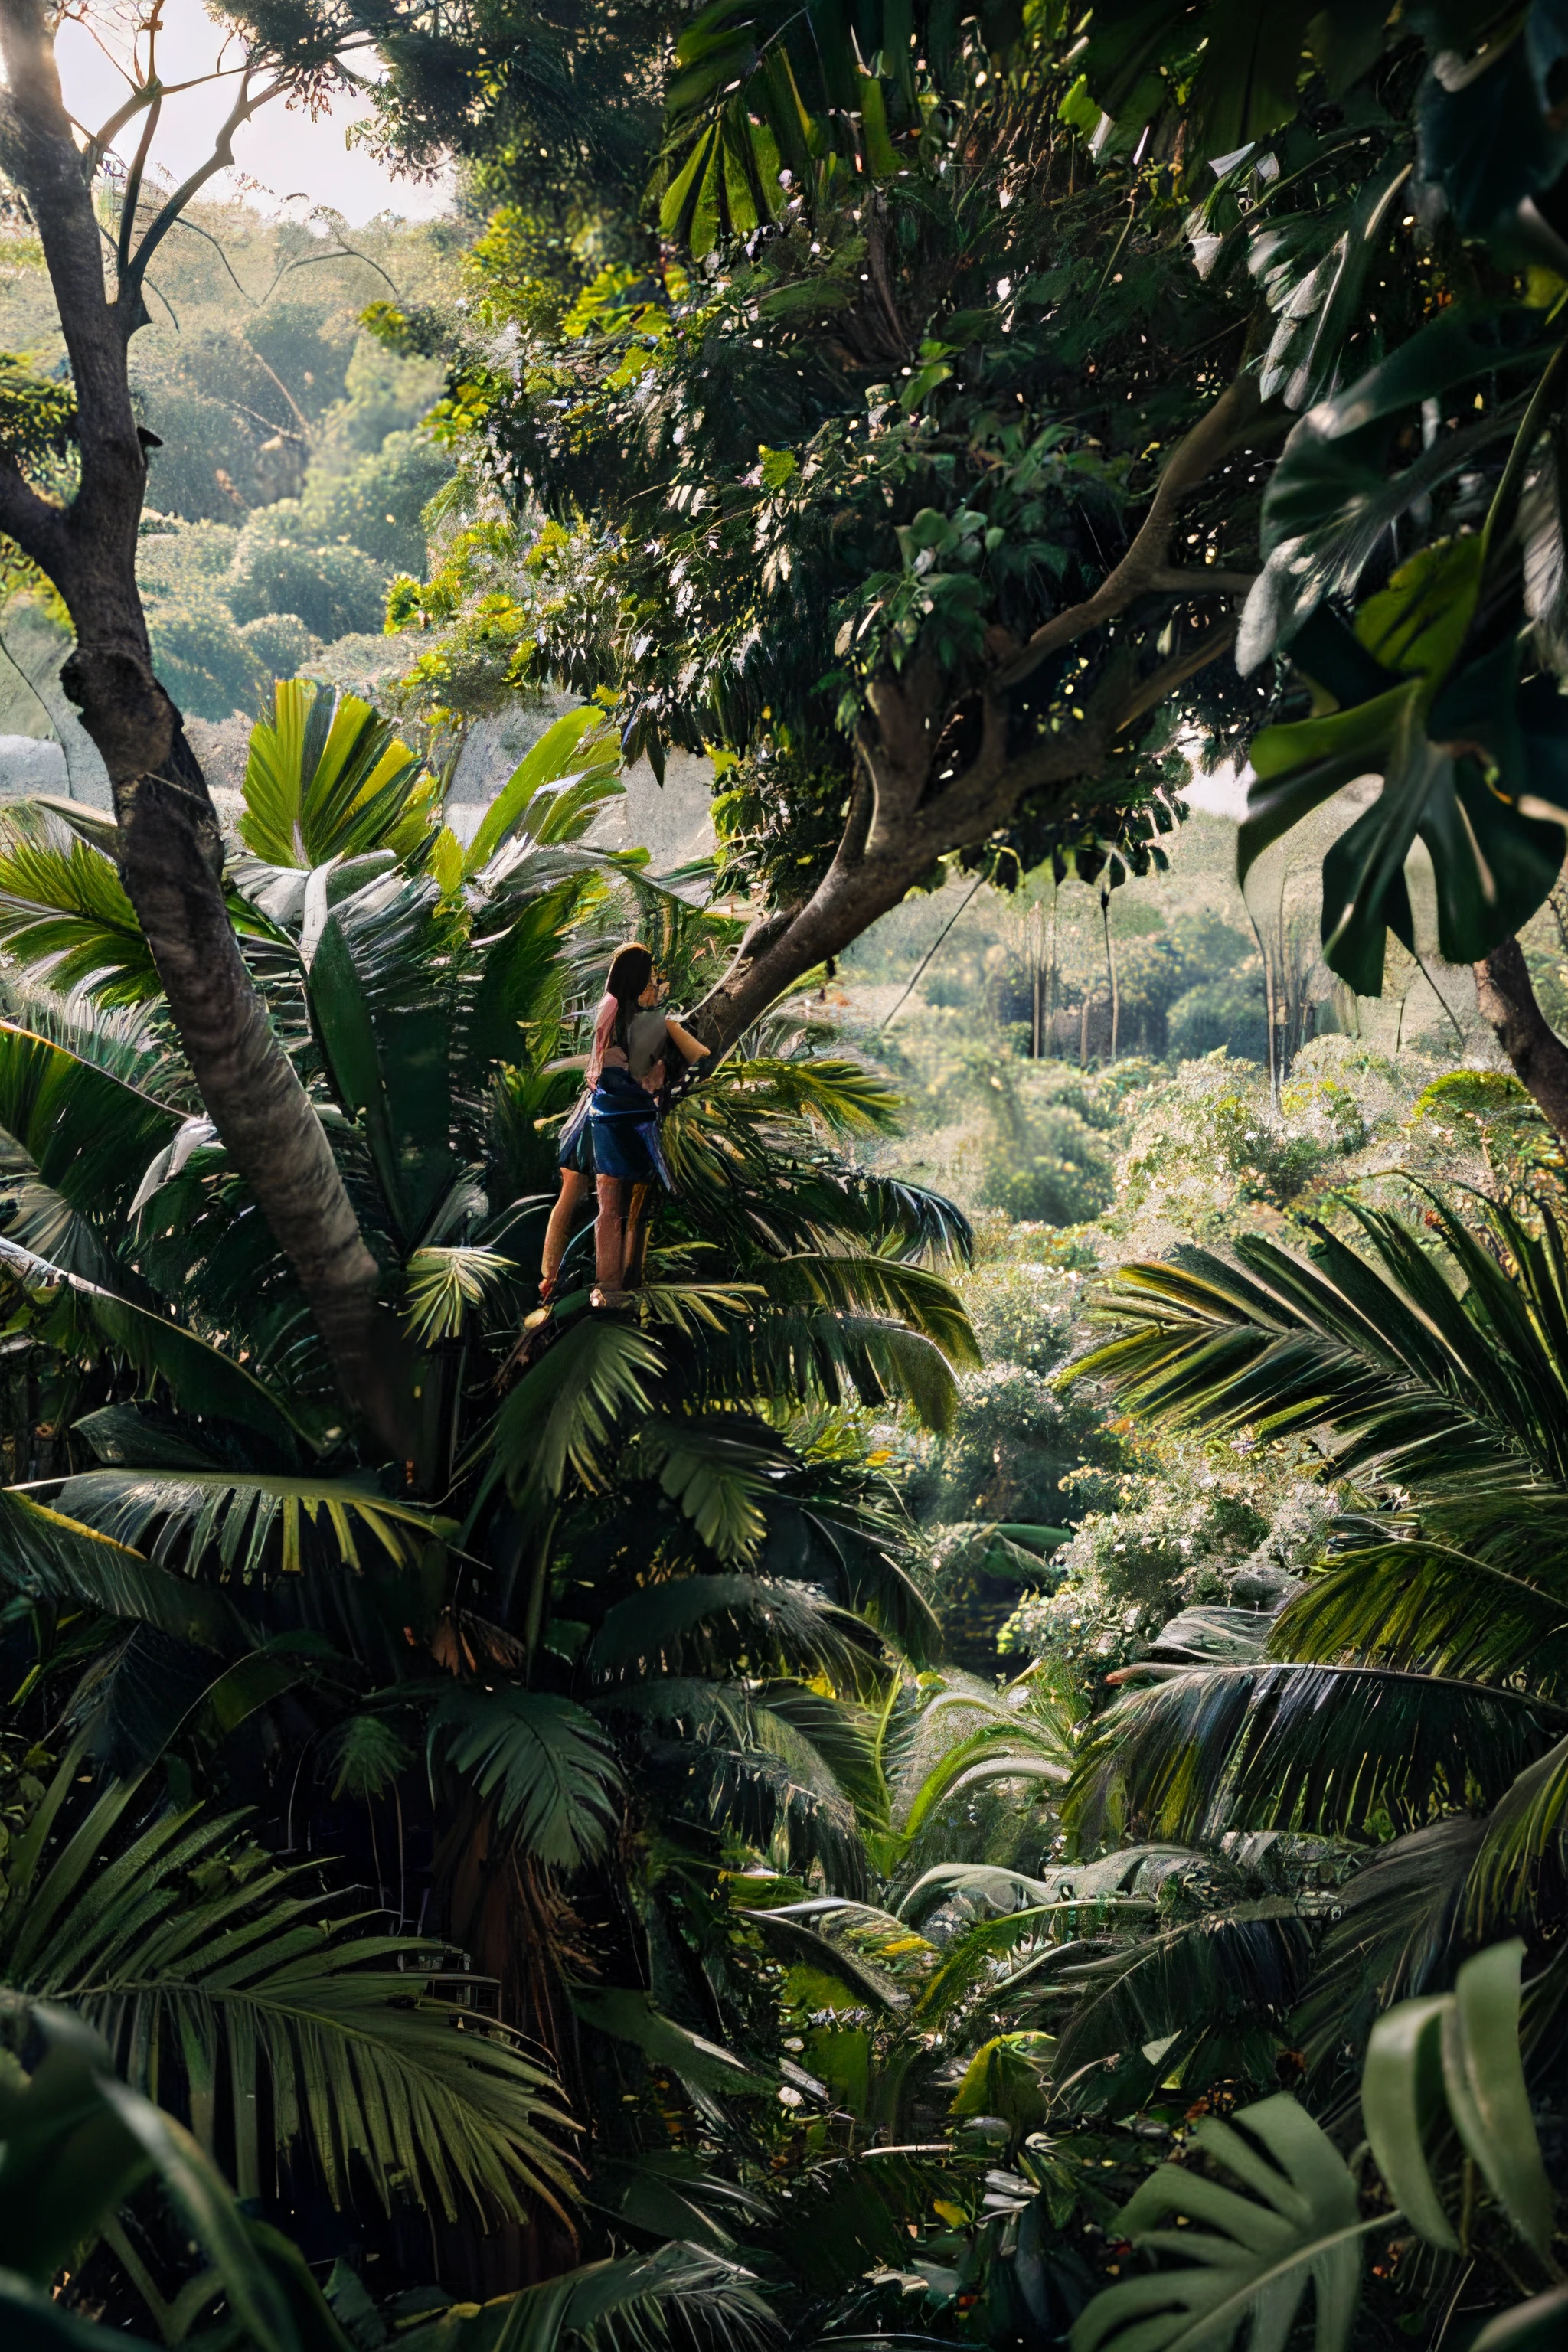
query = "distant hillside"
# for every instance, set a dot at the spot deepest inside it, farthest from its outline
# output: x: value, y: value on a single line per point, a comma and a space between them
x: 292, y: 477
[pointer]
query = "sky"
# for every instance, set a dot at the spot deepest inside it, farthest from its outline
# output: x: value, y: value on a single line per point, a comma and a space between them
x: 287, y: 154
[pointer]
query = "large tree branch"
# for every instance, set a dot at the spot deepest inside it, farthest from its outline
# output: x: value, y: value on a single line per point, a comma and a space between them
x: 873, y: 870
x: 222, y: 156
x: 1235, y: 418
x: 1151, y: 691
x: 915, y: 815
x: 1538, y: 1056
x: 35, y: 523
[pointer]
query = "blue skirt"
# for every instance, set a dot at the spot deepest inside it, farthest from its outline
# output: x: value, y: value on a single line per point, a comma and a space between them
x: 576, y: 1147
x: 623, y: 1131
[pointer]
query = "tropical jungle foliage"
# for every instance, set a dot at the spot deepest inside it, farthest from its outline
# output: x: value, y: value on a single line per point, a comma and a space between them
x: 656, y: 1559
x: 517, y: 1840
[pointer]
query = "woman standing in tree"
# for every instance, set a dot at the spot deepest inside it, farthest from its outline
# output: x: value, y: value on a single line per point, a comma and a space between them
x: 612, y: 1137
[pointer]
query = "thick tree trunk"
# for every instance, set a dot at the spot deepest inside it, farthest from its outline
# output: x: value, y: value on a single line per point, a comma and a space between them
x: 170, y: 852
x: 909, y: 810
x: 1539, y: 1054
x: 776, y: 954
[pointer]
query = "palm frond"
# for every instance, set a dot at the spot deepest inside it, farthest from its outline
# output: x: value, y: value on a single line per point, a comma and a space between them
x: 1411, y: 1602
x: 1520, y: 1871
x: 720, y: 1478
x: 64, y: 914
x: 1398, y: 1933
x: 556, y: 790
x: 326, y: 778
x: 444, y: 1283
x: 762, y: 1799
x: 564, y: 1414
x: 382, y: 994
x: 542, y: 1761
x: 843, y: 1736
x: 1322, y: 1748
x: 628, y: 2303
x: 833, y: 1092
x: 1205, y: 1997
x: 1424, y: 1373
x: 880, y: 1285
x: 666, y: 2194
x: 201, y: 1378
x: 1010, y: 1748
x: 516, y: 949
x: 80, y: 1130
x: 870, y: 1948
x: 247, y: 1524
x: 732, y: 1620
x: 224, y: 1990
x: 53, y: 1556
x: 962, y: 1722
x: 1090, y: 1886
x: 633, y: 2017
x: 807, y: 1356
x: 74, y: 2143
x: 1217, y: 1637
x: 694, y: 1307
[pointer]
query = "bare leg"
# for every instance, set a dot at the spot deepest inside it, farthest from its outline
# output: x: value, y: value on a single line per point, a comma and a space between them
x: 610, y: 1233
x: 636, y: 1236
x: 557, y: 1233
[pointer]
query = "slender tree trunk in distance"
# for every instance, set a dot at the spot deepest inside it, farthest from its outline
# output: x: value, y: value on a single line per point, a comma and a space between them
x: 171, y: 846
x: 1538, y: 1056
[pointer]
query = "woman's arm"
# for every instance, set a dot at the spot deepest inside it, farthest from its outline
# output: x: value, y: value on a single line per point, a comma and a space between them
x: 683, y: 1040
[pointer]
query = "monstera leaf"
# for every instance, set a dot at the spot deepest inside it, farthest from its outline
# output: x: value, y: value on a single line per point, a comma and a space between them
x: 1254, y: 2256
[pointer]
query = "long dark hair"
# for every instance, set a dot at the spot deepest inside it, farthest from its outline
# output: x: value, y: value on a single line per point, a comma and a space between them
x: 631, y: 968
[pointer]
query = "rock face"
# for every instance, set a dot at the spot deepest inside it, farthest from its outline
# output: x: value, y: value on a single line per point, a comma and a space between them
x: 35, y: 714
x: 29, y: 765
x: 32, y: 763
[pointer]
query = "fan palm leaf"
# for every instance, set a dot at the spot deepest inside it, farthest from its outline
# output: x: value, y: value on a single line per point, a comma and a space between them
x: 564, y: 1413
x: 542, y: 1760
x: 327, y: 778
